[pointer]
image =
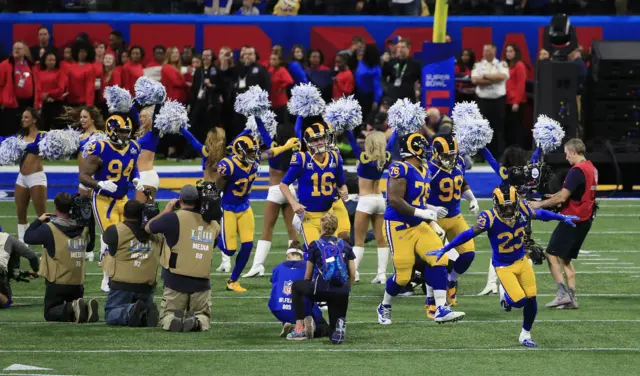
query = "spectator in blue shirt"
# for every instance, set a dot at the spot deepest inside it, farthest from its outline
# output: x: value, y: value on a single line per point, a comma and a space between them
x: 369, y: 80
x: 248, y: 9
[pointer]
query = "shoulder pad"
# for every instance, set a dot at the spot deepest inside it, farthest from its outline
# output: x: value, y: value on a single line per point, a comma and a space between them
x: 298, y: 159
x: 397, y: 170
x: 485, y: 220
x: 225, y: 167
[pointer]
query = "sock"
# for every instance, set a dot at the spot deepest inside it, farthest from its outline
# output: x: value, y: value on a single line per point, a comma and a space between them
x: 562, y: 289
x: 359, y: 252
x: 262, y: 250
x: 492, y: 278
x: 453, y: 255
x: 288, y: 243
x: 453, y: 276
x: 21, y: 230
x: 437, y: 279
x: 525, y: 334
x: 386, y: 299
x: 530, y: 311
x: 462, y: 265
x: 430, y: 300
x: 440, y: 297
x: 383, y: 260
x: 241, y: 260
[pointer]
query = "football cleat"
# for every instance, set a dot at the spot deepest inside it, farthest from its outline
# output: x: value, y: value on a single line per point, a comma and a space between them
x: 528, y: 343
x: 452, y: 287
x: 256, y: 271
x: 380, y: 278
x: 287, y: 328
x: 505, y: 305
x: 296, y: 336
x: 384, y: 314
x: 235, y: 286
x: 309, y: 327
x: 559, y: 301
x: 444, y: 314
x: 341, y: 330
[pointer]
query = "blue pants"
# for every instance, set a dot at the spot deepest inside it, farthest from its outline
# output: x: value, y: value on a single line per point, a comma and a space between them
x: 119, y: 302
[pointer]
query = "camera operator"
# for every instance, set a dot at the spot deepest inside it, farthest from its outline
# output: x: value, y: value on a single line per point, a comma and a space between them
x: 186, y: 265
x: 10, y: 251
x: 132, y: 265
x: 62, y: 265
x: 577, y: 197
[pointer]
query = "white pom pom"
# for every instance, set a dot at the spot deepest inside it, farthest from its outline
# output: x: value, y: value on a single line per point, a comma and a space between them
x: 254, y: 102
x: 463, y: 110
x: 268, y: 118
x: 472, y: 135
x: 58, y: 144
x: 306, y: 100
x: 118, y: 99
x: 172, y: 117
x: 548, y: 134
x: 344, y: 113
x: 406, y: 117
x: 11, y: 151
x: 93, y: 139
x: 149, y: 92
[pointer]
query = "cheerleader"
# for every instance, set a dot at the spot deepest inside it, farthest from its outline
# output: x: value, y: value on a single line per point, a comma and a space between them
x: 32, y: 182
x: 148, y: 138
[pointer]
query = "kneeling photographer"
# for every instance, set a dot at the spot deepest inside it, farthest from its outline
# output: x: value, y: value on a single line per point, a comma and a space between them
x: 132, y: 265
x: 10, y: 251
x: 190, y: 234
x: 64, y: 237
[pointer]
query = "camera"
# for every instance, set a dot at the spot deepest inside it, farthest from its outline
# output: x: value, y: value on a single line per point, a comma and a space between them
x: 209, y: 200
x: 535, y: 176
x: 81, y: 210
x: 151, y: 208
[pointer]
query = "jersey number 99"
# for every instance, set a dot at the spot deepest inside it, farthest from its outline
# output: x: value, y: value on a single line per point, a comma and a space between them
x: 116, y: 172
x: 511, y: 242
x: 322, y: 185
x: 450, y: 189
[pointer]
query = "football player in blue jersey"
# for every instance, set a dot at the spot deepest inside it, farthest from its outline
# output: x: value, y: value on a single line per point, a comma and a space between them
x: 407, y: 233
x: 320, y: 177
x: 107, y: 170
x: 505, y: 225
x: 235, y: 179
x: 448, y: 187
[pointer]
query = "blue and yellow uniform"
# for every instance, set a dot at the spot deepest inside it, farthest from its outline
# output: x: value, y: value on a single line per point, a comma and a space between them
x: 237, y: 216
x: 118, y: 166
x: 317, y: 188
x: 409, y: 236
x: 32, y: 147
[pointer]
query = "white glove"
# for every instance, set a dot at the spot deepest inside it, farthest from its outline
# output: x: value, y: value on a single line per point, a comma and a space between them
x: 441, y: 211
x: 429, y: 215
x: 107, y: 185
x: 439, y: 231
x: 139, y: 186
x: 474, y: 208
x: 297, y: 223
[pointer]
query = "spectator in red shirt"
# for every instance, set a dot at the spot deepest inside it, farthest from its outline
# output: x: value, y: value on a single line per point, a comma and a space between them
x: 51, y: 88
x: 174, y: 82
x: 280, y: 81
x: 17, y: 87
x: 516, y: 96
x: 81, y: 75
x: 343, y: 82
x: 465, y: 91
x: 111, y: 76
x: 100, y: 50
x: 159, y: 56
x: 133, y: 69
x: 67, y: 59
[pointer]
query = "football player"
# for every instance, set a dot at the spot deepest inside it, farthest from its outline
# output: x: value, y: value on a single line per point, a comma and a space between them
x: 235, y: 178
x: 406, y: 231
x: 107, y: 170
x: 505, y: 225
x: 448, y: 187
x: 319, y: 173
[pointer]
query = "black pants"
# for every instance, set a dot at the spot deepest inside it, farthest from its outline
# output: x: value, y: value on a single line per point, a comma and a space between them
x: 493, y: 111
x: 5, y: 287
x: 515, y: 132
x: 337, y: 302
x: 57, y: 301
x: 566, y: 240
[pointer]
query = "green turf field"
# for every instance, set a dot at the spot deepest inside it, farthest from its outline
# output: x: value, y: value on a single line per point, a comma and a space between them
x: 602, y: 337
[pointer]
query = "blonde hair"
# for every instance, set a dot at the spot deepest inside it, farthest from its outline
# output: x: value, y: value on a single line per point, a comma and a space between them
x: 146, y: 120
x: 576, y: 145
x: 375, y: 148
x: 328, y: 224
x: 168, y: 54
x: 71, y: 116
x: 215, y: 142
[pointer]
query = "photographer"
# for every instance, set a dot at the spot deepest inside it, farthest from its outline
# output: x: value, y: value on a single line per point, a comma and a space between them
x: 132, y: 265
x: 186, y: 265
x: 62, y: 265
x: 10, y: 251
x: 577, y: 197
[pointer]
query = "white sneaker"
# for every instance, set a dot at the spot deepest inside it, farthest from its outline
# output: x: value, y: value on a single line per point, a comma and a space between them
x: 357, y: 279
x: 384, y: 314
x: 490, y: 288
x: 104, y: 286
x: 380, y: 278
x: 224, y: 267
x: 256, y: 271
x: 444, y: 314
x: 88, y: 256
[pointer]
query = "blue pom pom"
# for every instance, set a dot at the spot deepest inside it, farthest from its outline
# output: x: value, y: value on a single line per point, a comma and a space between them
x: 254, y: 102
x: 406, y: 117
x: 58, y: 144
x: 93, y: 139
x: 172, y: 116
x: 463, y: 110
x: 344, y: 113
x: 12, y: 151
x: 268, y: 118
x: 548, y: 134
x: 306, y: 101
x: 149, y: 92
x: 118, y: 99
x: 472, y: 135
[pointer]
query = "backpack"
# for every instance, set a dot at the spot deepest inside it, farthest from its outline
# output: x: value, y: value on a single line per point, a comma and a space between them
x: 334, y: 268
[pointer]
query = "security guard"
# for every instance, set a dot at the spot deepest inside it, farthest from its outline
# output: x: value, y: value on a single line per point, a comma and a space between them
x: 132, y: 265
x: 490, y: 77
x: 186, y: 263
x: 62, y: 264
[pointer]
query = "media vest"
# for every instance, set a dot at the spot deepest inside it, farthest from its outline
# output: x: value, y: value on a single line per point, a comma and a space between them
x: 583, y: 208
x: 192, y: 254
x: 134, y: 262
x: 67, y: 266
